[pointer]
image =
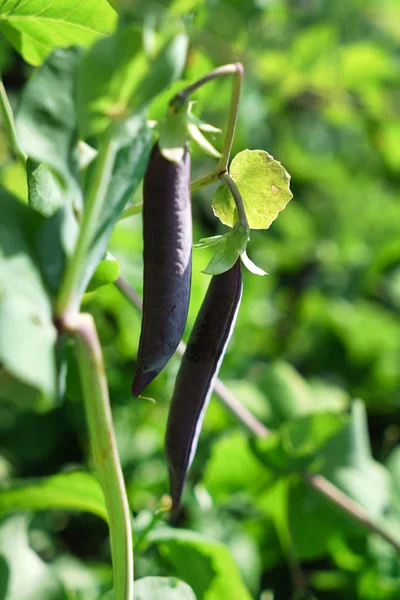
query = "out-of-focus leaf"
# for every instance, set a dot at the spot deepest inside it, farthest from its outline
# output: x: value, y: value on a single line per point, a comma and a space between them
x: 233, y: 469
x: 35, y: 28
x: 162, y: 588
x: 79, y: 579
x: 45, y: 193
x: 116, y: 78
x: 350, y: 466
x: 129, y: 168
x: 107, y: 271
x: 66, y: 491
x: 263, y: 184
x: 56, y: 237
x: 39, y: 579
x: 287, y: 392
x: 206, y: 565
x: 298, y: 445
x: 27, y: 334
x: 46, y: 118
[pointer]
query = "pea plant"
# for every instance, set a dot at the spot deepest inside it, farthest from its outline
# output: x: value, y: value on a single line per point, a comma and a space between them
x: 86, y: 136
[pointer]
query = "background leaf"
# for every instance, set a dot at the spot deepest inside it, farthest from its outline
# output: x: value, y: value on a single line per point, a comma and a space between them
x: 116, y: 78
x: 39, y: 581
x: 207, y: 566
x: 37, y: 27
x: 27, y: 334
x: 162, y: 588
x: 46, y: 118
x: 66, y: 491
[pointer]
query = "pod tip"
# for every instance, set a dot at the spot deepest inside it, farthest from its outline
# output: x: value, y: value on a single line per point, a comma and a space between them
x: 141, y: 381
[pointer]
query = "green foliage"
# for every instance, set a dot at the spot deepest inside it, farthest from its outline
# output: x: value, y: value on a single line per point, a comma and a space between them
x: 206, y: 565
x: 320, y: 95
x: 27, y: 339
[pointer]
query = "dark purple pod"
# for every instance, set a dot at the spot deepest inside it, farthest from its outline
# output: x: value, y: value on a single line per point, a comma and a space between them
x: 198, y: 371
x: 167, y: 254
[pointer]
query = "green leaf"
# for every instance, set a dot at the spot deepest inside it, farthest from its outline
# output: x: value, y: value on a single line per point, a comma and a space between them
x: 288, y: 393
x: 27, y: 334
x: 350, y: 466
x: 46, y: 118
x: 166, y: 68
x: 207, y: 566
x: 298, y: 445
x: 162, y: 588
x: 55, y: 239
x: 263, y: 184
x: 129, y: 167
x: 233, y: 469
x: 36, y: 27
x: 116, y: 78
x: 29, y: 576
x: 45, y: 193
x: 107, y: 271
x: 226, y: 249
x: 67, y: 491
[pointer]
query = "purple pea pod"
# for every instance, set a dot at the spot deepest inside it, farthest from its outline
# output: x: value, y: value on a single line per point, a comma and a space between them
x: 199, y: 368
x: 167, y: 237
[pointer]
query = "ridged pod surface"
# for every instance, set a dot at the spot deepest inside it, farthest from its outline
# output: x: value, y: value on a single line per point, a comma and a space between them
x: 199, y: 368
x: 167, y: 254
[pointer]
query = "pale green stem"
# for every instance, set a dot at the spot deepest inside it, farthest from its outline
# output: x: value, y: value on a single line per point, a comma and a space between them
x: 237, y: 198
x: 8, y: 120
x: 68, y: 298
x: 104, y: 448
x: 235, y: 69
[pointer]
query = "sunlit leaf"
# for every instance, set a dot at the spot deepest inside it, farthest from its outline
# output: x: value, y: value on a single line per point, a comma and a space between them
x: 36, y: 27
x: 263, y: 184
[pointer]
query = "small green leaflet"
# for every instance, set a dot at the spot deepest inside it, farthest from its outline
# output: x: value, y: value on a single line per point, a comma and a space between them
x: 226, y: 249
x: 264, y: 185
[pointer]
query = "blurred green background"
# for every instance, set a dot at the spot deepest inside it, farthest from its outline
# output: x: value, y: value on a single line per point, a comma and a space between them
x: 321, y: 94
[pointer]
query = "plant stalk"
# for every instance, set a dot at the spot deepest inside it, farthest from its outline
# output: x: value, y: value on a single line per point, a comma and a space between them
x: 238, y: 200
x: 68, y: 298
x: 235, y: 69
x: 104, y: 448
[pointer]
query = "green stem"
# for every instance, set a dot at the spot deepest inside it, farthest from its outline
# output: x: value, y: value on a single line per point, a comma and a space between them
x: 104, y: 448
x: 232, y: 118
x: 237, y: 198
x: 235, y: 69
x: 68, y: 299
x: 8, y: 119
